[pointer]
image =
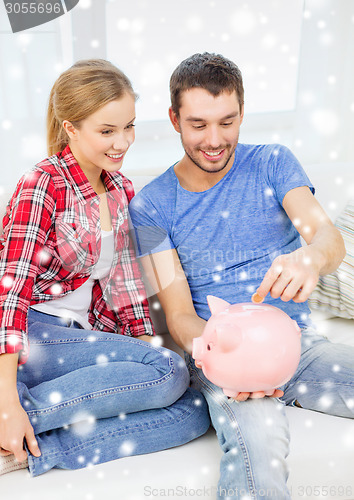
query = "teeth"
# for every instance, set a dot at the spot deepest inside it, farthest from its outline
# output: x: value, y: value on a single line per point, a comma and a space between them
x: 115, y: 156
x: 213, y: 153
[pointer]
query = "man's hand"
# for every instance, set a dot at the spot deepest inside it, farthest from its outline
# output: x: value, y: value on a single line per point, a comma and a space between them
x: 292, y: 276
x: 243, y: 396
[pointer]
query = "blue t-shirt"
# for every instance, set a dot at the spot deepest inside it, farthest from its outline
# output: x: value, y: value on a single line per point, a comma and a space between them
x: 228, y: 236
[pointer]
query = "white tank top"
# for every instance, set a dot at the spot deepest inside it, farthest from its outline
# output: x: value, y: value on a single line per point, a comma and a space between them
x: 75, y: 305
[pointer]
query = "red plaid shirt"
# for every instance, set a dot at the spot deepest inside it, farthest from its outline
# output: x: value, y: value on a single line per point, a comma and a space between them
x: 52, y: 240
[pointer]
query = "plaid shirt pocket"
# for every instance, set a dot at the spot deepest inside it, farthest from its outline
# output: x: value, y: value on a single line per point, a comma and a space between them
x: 76, y: 246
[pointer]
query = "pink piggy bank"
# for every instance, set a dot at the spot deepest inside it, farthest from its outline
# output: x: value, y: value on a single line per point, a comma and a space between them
x: 248, y: 347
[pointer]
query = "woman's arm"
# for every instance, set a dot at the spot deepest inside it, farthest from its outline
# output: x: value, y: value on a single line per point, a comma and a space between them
x: 26, y: 227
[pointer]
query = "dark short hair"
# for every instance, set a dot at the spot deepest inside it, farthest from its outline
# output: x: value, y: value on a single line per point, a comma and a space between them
x: 212, y: 72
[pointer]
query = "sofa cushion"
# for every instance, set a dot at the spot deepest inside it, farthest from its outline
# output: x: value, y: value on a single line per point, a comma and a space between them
x: 335, y: 292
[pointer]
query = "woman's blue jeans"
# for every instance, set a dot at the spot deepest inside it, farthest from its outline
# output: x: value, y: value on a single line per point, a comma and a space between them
x: 93, y: 396
x: 254, y: 434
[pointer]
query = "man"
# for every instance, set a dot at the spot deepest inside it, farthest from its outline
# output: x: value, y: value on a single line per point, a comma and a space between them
x: 226, y: 221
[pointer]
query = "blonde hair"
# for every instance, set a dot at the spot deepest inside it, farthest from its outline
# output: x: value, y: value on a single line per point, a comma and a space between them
x: 80, y: 91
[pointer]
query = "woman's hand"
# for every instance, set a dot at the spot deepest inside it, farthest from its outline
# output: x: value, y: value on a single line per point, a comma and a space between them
x: 15, y: 429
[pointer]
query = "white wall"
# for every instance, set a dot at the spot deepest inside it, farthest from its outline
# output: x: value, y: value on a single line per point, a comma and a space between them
x: 309, y: 66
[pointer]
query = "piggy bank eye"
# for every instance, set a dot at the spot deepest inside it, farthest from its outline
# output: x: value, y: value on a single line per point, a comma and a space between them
x: 209, y: 347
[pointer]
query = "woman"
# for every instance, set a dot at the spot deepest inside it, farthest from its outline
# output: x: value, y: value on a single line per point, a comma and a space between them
x: 68, y: 283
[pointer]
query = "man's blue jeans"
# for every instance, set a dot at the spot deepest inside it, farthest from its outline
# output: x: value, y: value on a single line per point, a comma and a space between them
x: 93, y: 396
x: 254, y: 434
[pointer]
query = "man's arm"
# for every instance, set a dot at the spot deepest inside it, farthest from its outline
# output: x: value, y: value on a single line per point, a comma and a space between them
x: 295, y: 275
x: 167, y: 278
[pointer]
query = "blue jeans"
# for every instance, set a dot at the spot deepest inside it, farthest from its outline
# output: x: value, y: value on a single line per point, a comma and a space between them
x: 254, y: 434
x: 93, y: 396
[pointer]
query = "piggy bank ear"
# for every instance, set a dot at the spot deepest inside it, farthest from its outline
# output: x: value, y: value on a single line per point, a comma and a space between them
x: 216, y: 305
x: 229, y: 337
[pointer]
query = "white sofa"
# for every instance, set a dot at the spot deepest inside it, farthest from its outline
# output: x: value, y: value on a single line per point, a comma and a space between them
x: 321, y: 459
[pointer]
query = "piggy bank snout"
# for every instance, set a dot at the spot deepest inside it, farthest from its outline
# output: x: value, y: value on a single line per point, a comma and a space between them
x: 198, y: 349
x: 297, y: 328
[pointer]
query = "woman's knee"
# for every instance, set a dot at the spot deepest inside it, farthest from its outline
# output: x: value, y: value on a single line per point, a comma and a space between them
x: 197, y: 413
x: 177, y: 381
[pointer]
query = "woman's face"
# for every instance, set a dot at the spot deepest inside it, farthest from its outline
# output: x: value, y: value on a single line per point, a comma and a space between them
x: 105, y: 136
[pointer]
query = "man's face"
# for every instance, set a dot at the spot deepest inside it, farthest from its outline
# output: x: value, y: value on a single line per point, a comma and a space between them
x: 209, y: 128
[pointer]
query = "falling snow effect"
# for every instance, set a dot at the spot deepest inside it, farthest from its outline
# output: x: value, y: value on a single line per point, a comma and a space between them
x: 84, y: 425
x: 43, y: 257
x: 56, y: 289
x: 13, y: 340
x: 7, y: 282
x: 55, y: 397
x: 157, y: 341
x: 127, y: 448
x: 102, y: 360
x: 302, y: 389
x: 323, y: 101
